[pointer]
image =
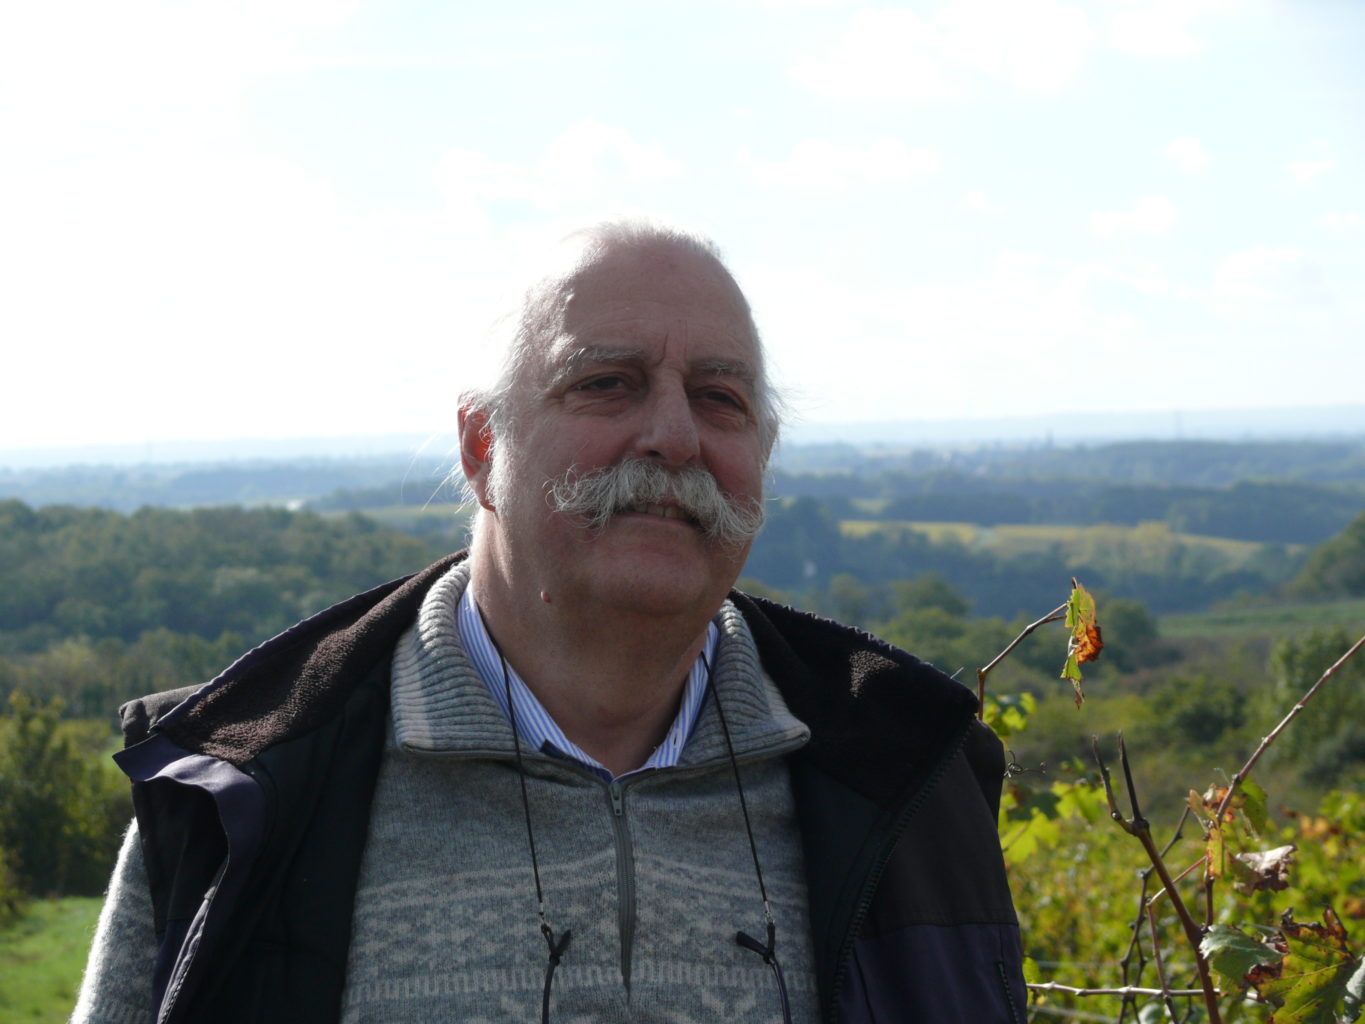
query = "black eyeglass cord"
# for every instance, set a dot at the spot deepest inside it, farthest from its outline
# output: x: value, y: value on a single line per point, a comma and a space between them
x: 557, y: 946
x: 768, y: 952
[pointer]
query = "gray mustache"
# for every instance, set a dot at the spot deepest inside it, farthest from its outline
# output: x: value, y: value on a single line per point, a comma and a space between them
x: 599, y: 494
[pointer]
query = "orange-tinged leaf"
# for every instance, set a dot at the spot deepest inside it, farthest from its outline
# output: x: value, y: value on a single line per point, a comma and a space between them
x: 1084, y: 643
x: 1088, y: 643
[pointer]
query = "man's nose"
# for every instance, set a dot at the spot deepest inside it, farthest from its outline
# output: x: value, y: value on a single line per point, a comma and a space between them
x: 669, y: 428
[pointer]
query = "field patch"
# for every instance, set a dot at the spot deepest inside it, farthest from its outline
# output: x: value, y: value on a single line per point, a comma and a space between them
x: 42, y: 956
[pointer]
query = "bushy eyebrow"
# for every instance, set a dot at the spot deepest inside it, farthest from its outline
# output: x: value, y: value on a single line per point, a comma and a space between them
x: 574, y: 361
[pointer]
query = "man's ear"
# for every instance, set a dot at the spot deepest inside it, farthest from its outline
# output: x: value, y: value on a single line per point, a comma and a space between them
x: 476, y: 452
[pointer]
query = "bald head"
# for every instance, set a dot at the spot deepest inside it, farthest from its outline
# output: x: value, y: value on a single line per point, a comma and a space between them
x: 540, y: 319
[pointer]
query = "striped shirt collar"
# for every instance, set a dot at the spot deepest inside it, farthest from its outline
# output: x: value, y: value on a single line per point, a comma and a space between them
x: 533, y: 722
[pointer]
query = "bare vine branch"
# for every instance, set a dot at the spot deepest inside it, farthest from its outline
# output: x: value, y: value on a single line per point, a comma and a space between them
x: 1134, y: 946
x: 1166, y: 996
x: 1141, y: 829
x: 1126, y: 990
x: 1056, y: 615
x: 1270, y: 738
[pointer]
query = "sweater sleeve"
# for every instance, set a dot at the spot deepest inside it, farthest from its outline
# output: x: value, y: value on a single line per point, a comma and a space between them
x: 117, y: 987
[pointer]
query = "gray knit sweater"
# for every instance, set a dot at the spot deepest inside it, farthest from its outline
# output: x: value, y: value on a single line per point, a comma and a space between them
x: 652, y: 873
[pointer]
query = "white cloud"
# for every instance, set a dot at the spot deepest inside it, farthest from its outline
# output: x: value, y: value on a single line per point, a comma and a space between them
x: 979, y: 202
x: 1152, y: 215
x: 1035, y: 45
x: 818, y: 165
x: 920, y: 348
x: 894, y: 54
x: 577, y: 165
x: 1188, y: 155
x: 886, y: 54
x: 1161, y: 28
x: 1308, y: 169
x: 1342, y: 221
x: 1265, y: 279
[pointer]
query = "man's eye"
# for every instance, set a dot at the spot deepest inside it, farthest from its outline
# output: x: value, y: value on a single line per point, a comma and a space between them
x: 607, y: 383
x: 720, y: 396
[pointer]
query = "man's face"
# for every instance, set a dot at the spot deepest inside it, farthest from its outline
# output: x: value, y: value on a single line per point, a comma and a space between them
x: 653, y: 360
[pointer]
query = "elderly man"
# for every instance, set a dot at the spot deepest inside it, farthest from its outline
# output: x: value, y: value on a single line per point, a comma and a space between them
x: 571, y: 775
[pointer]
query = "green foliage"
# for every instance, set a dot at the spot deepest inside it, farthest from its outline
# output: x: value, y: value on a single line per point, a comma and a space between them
x: 1132, y: 638
x: 68, y: 572
x: 1309, y: 985
x: 1233, y: 953
x: 62, y: 809
x: 12, y: 895
x: 1326, y: 736
x: 1336, y: 568
x: 1058, y: 842
x: 931, y: 590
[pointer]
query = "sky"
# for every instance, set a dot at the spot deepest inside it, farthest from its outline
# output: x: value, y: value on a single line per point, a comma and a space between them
x: 281, y: 218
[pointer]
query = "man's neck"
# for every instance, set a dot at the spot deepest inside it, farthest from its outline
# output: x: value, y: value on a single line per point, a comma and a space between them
x: 611, y: 679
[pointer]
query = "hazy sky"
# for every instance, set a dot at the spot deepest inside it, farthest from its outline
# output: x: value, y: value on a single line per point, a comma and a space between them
x: 295, y: 218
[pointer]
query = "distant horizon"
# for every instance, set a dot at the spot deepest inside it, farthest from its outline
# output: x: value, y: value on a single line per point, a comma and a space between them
x: 1322, y: 423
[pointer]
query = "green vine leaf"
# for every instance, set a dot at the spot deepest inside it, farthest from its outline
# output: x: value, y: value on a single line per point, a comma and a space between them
x: 1233, y: 953
x: 1310, y: 985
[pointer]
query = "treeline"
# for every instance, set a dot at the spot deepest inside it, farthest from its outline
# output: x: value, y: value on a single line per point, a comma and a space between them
x: 804, y: 546
x: 240, y: 482
x: 1169, y: 463
x: 67, y: 572
x: 1274, y: 512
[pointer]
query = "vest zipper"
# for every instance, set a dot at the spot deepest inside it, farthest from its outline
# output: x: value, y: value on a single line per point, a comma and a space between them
x: 874, y: 874
x: 625, y: 878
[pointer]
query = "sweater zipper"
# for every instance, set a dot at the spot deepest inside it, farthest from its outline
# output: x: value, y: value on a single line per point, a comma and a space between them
x: 625, y: 877
x: 874, y: 875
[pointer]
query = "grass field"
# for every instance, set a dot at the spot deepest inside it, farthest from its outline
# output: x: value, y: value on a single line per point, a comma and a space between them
x: 41, y: 959
x: 1011, y: 540
x: 1268, y: 620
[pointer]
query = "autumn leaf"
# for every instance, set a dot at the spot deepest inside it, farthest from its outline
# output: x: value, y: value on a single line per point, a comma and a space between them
x: 1084, y: 643
x: 1248, y: 802
x: 1311, y: 984
x: 1263, y: 871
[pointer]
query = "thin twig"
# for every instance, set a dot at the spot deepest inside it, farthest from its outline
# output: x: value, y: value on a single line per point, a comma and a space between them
x: 1166, y: 996
x: 1142, y: 830
x: 1245, y: 770
x: 1161, y: 892
x: 1135, y: 947
x: 1127, y: 990
x: 1056, y: 615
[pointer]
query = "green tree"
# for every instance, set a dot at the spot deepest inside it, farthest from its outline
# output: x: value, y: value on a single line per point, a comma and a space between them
x: 1336, y: 568
x: 1325, y: 738
x: 61, y: 810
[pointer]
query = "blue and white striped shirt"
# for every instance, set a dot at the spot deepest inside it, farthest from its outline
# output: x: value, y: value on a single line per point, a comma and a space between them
x: 534, y: 723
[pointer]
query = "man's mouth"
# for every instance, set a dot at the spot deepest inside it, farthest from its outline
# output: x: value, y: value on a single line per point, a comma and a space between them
x: 666, y: 511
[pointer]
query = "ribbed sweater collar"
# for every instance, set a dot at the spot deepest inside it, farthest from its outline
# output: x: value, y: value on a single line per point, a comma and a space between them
x: 441, y: 704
